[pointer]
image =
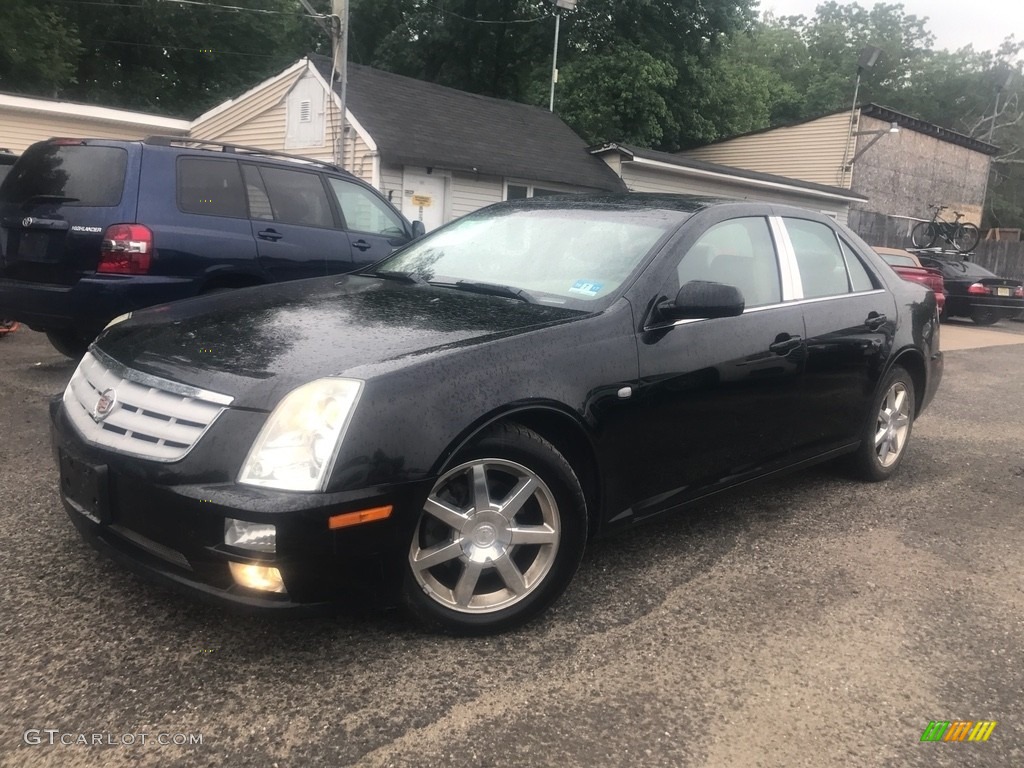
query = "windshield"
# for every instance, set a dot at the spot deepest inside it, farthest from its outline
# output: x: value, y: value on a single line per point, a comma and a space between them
x: 557, y: 255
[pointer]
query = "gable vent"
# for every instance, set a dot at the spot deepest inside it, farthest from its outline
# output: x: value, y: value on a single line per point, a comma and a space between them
x: 305, y: 111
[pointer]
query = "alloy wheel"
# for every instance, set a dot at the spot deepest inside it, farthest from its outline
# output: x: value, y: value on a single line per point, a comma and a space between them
x: 487, y: 537
x: 893, y: 424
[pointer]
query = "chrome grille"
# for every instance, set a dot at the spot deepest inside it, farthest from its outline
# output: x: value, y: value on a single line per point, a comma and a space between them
x: 144, y: 415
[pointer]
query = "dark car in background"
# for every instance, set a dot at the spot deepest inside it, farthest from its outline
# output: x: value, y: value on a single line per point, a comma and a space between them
x: 972, y: 291
x: 91, y: 229
x: 7, y: 159
x: 460, y: 419
x: 909, y: 267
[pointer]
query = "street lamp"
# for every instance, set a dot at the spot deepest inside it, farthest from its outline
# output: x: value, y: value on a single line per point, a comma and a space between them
x: 569, y: 5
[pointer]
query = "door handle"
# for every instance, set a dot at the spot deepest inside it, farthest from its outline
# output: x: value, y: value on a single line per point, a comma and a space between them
x: 784, y: 344
x: 362, y: 245
x: 269, y: 234
x: 874, y: 321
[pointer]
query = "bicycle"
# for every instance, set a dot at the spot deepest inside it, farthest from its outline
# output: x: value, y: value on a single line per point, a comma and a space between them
x: 963, y: 236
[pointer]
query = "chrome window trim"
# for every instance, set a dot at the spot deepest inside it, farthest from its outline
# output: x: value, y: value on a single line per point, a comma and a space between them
x: 148, y: 380
x: 780, y: 305
x: 792, y: 288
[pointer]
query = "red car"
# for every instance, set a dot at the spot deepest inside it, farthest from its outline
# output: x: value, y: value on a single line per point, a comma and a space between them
x: 907, y: 266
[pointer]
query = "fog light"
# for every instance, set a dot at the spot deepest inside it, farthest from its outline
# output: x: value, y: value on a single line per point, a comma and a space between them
x: 262, y: 577
x: 257, y: 537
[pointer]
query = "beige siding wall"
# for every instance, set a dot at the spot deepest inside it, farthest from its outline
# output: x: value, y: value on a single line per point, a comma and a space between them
x: 811, y: 151
x: 19, y: 129
x: 391, y: 183
x: 261, y: 120
x: 470, y: 193
x: 639, y: 178
x: 230, y: 122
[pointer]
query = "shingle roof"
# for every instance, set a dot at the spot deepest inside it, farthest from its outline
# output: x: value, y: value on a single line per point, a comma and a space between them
x: 681, y: 161
x: 418, y: 123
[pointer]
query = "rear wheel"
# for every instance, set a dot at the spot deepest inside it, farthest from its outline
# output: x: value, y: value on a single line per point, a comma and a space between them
x: 68, y: 343
x: 985, y: 316
x: 885, y: 436
x: 923, y: 235
x: 966, y: 238
x: 499, y: 537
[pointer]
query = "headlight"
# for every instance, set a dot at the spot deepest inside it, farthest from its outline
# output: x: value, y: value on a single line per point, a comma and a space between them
x: 296, y: 447
x: 118, y: 319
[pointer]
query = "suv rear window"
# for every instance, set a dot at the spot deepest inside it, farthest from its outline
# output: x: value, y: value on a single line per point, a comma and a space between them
x: 81, y: 175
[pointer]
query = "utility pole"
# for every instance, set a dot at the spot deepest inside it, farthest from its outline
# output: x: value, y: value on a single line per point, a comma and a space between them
x: 339, y: 65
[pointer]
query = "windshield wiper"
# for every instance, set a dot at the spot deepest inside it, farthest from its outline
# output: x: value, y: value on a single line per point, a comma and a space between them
x: 490, y: 289
x: 48, y: 199
x: 402, y: 277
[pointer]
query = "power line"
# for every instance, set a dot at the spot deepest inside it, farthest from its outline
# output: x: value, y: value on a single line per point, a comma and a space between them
x: 211, y: 6
x: 182, y: 48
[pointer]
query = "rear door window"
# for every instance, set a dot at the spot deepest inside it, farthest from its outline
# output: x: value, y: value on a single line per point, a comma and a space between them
x: 819, y: 259
x: 295, y: 197
x: 70, y: 174
x: 210, y: 187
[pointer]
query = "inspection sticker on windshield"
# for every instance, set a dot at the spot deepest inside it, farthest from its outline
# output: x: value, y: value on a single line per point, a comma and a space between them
x: 586, y: 287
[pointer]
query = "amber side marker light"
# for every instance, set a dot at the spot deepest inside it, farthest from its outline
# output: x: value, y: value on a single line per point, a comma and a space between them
x: 358, y: 518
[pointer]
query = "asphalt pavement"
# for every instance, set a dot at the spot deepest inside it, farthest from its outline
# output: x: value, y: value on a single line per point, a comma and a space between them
x: 813, y: 621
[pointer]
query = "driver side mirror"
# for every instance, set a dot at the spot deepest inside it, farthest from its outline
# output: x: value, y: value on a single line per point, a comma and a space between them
x: 701, y: 300
x: 418, y: 230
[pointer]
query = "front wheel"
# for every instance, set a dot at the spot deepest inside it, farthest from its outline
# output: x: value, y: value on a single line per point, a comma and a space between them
x: 885, y: 436
x: 499, y: 537
x: 923, y: 235
x: 966, y: 238
x: 68, y: 343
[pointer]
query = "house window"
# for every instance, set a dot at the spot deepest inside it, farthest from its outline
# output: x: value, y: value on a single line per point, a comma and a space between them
x: 523, y: 191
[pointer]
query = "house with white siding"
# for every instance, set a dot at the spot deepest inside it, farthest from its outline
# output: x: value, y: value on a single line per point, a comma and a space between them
x: 437, y: 153
x: 25, y: 120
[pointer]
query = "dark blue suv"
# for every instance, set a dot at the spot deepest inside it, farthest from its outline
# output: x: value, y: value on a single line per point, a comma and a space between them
x: 93, y: 228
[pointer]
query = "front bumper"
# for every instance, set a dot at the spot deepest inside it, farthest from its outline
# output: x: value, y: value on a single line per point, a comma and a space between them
x: 174, y: 534
x: 89, y: 304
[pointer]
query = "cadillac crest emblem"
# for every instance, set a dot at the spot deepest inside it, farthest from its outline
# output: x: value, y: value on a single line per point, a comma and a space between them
x: 105, y: 405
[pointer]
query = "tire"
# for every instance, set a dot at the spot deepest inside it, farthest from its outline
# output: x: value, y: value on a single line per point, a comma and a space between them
x: 923, y: 235
x: 887, y: 432
x: 985, y: 316
x: 966, y: 238
x: 464, y: 572
x: 68, y: 343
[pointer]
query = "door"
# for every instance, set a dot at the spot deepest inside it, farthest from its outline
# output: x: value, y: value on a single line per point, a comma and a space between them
x: 423, y: 197
x: 374, y: 228
x: 293, y: 222
x: 719, y: 395
x: 850, y: 323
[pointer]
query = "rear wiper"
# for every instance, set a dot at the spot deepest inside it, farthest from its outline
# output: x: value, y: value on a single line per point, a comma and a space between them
x: 48, y: 199
x: 491, y: 289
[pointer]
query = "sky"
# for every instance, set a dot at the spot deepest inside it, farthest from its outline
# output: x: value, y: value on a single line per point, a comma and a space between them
x: 983, y: 23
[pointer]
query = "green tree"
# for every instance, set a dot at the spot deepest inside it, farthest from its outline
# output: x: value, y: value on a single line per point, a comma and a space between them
x: 39, y: 48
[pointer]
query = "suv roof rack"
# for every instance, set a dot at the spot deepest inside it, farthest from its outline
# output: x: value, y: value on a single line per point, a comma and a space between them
x: 167, y: 141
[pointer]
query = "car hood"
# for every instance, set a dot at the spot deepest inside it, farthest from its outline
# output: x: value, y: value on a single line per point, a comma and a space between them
x: 258, y: 344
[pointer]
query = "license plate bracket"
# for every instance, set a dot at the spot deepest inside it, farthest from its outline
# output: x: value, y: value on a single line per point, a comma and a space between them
x: 85, y: 487
x: 1002, y: 291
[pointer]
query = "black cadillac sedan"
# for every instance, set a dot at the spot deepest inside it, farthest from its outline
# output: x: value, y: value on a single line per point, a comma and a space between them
x: 459, y: 420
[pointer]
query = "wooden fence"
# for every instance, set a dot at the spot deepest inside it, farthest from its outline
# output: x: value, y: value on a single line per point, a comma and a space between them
x: 1002, y: 257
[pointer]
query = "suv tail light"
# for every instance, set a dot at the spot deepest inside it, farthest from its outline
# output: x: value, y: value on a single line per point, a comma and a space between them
x: 978, y: 290
x: 127, y: 250
x: 1018, y: 292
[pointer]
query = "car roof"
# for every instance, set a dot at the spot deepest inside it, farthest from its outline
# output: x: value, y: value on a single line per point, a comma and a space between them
x: 644, y: 200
